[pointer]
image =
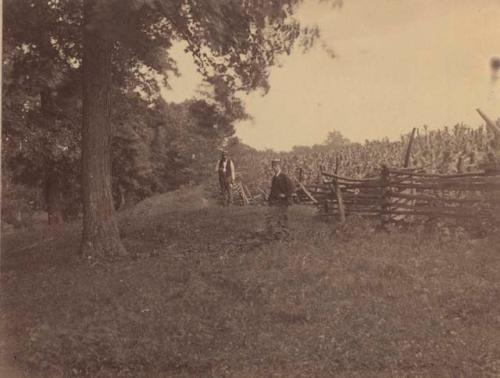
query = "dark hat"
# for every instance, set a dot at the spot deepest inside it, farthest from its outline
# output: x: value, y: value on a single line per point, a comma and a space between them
x: 275, y: 161
x: 495, y: 63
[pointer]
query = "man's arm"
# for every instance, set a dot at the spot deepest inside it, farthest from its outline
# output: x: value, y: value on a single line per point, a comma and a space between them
x: 233, y: 172
x: 289, y: 189
x: 217, y: 166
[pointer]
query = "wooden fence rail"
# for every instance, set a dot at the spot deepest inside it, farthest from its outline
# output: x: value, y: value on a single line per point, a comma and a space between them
x: 401, y: 194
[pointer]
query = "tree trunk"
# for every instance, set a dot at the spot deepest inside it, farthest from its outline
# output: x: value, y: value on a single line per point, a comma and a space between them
x: 52, y: 182
x: 53, y: 196
x: 100, y: 230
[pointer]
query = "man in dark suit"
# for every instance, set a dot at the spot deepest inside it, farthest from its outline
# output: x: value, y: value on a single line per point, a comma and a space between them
x: 280, y: 198
x: 225, y: 168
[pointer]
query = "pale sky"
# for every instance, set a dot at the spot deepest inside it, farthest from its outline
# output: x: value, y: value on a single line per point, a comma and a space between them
x: 400, y: 64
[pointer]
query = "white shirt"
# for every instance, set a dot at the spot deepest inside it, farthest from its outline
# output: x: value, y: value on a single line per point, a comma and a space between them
x: 224, y: 164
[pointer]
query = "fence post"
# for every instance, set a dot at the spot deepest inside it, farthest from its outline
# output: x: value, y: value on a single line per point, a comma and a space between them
x: 340, y: 201
x: 385, y: 195
x: 408, y: 149
x: 326, y: 207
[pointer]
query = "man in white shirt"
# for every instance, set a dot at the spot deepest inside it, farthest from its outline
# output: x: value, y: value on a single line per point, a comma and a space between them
x: 226, y: 171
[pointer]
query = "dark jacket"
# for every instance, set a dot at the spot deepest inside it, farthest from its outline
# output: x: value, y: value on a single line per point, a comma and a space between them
x: 281, y: 190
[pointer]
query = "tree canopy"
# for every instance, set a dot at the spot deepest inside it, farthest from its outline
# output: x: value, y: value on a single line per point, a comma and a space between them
x: 66, y: 55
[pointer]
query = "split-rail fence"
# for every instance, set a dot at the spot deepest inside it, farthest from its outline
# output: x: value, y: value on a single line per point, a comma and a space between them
x: 404, y: 194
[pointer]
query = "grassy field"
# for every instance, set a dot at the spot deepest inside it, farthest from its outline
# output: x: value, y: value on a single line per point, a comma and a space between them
x: 206, y: 296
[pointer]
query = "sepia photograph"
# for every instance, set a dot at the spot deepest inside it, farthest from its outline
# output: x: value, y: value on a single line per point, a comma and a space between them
x: 250, y: 189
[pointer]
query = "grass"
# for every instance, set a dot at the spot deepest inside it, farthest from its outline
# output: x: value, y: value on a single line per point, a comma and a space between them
x: 205, y: 296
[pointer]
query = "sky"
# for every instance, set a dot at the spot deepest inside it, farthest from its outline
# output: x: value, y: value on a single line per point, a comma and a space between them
x: 399, y: 64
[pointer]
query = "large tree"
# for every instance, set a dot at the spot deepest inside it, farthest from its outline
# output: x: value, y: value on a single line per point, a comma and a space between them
x: 233, y: 43
x: 124, y: 44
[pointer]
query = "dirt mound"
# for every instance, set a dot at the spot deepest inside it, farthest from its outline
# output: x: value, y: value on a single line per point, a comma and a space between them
x: 182, y: 199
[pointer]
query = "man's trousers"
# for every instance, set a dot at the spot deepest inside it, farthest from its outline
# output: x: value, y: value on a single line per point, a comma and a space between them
x: 277, y: 220
x: 226, y: 190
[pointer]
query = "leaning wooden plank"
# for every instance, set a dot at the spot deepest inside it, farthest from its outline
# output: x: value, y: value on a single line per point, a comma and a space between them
x: 375, y: 201
x: 422, y: 174
x: 471, y: 187
x: 370, y: 184
x: 360, y: 200
x: 426, y: 207
x: 403, y: 169
x: 353, y: 209
x: 366, y: 213
x: 406, y: 162
x: 431, y: 213
x: 318, y: 189
x: 429, y: 198
x: 364, y: 202
x: 491, y: 125
x: 435, y: 209
x: 316, y: 192
x: 243, y: 195
x: 363, y: 185
x: 447, y: 185
x: 331, y: 175
x: 248, y: 193
x: 444, y: 179
x: 454, y: 187
x: 448, y: 182
x: 360, y: 195
x: 263, y: 192
x: 307, y: 193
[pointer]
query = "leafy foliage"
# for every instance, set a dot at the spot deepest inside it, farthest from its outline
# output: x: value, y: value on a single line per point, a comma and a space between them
x: 165, y: 146
x: 233, y: 43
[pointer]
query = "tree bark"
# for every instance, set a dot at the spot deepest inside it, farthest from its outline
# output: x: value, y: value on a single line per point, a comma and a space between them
x: 100, y: 235
x: 53, y: 197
